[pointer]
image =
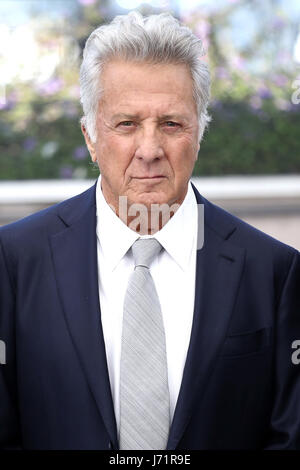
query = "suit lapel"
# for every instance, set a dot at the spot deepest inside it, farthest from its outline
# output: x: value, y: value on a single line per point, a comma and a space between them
x: 74, y: 252
x: 218, y: 271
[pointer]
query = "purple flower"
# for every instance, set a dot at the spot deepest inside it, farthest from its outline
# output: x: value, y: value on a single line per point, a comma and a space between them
x: 80, y: 153
x: 3, y: 103
x: 294, y: 108
x: 255, y: 102
x: 87, y: 2
x: 280, y: 80
x: 278, y: 23
x: 9, y: 102
x: 216, y: 104
x: 222, y: 72
x: 66, y: 171
x: 52, y: 86
x: 202, y: 29
x: 29, y: 144
x: 238, y: 62
x: 264, y: 93
x: 284, y: 56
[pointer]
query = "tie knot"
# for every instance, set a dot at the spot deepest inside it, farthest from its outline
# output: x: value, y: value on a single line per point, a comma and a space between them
x: 144, y: 251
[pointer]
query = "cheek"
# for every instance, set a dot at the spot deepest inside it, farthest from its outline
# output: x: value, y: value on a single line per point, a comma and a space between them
x: 183, y: 156
x: 114, y: 154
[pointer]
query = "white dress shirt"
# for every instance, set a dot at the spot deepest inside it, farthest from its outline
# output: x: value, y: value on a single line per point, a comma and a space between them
x: 173, y: 272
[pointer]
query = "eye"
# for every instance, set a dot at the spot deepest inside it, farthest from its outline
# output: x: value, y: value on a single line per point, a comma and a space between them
x: 172, y: 124
x: 125, y: 123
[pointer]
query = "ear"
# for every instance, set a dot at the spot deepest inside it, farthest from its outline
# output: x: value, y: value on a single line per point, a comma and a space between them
x: 89, y: 143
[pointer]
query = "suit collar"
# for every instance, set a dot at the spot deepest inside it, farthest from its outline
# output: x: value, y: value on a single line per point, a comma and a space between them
x: 216, y: 218
x: 71, y: 210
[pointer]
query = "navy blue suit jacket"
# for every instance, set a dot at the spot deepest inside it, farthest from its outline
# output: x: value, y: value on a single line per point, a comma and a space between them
x: 240, y: 388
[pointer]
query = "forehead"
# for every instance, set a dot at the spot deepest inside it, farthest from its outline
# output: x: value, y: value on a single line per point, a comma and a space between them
x: 159, y: 86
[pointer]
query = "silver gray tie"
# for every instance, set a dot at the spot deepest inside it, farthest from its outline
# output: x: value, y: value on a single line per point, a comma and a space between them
x: 144, y: 392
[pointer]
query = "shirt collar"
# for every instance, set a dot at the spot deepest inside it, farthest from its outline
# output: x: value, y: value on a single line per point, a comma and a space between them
x: 114, y: 236
x: 177, y: 236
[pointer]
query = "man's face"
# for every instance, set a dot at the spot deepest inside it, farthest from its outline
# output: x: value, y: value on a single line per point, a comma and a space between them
x: 147, y: 133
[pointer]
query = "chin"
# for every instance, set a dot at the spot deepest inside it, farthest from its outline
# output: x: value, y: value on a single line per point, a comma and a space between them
x: 148, y: 198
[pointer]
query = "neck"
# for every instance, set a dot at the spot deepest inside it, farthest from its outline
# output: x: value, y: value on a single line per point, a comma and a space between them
x: 148, y: 221
x: 144, y: 219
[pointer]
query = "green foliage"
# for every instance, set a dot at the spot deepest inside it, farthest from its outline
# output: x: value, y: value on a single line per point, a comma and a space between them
x: 45, y: 148
x: 241, y: 141
x: 254, y: 128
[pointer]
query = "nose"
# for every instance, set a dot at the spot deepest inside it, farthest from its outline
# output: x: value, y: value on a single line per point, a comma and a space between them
x: 149, y: 146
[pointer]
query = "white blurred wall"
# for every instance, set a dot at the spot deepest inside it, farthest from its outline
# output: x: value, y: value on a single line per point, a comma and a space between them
x: 270, y: 203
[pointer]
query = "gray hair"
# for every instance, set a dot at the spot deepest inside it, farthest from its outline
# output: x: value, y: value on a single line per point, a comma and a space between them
x: 155, y: 39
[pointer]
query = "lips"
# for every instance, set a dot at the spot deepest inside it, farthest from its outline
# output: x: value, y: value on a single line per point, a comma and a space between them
x: 149, y: 177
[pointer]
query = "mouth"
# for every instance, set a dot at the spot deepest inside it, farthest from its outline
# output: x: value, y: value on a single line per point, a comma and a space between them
x: 150, y: 178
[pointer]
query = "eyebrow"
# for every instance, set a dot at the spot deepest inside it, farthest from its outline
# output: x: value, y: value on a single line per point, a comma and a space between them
x: 125, y: 116
x: 165, y: 117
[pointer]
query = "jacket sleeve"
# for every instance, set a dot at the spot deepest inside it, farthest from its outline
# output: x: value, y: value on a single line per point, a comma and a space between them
x: 10, y: 435
x: 285, y: 417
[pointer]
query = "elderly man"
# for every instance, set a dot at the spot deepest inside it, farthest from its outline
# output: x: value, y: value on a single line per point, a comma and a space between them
x: 124, y: 330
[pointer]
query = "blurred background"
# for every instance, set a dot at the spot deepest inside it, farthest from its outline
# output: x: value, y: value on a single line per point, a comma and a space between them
x: 249, y: 161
